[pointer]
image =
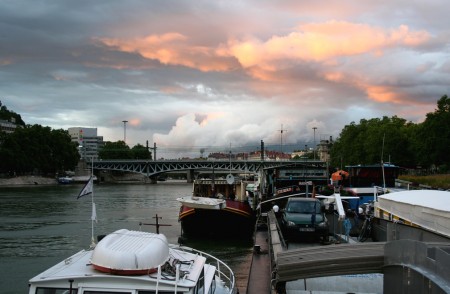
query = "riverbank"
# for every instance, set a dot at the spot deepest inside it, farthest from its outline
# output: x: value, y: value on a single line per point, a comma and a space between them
x: 27, y: 181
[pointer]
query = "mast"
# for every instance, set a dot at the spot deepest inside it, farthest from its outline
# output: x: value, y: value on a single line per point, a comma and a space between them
x: 94, y: 212
x: 382, y: 164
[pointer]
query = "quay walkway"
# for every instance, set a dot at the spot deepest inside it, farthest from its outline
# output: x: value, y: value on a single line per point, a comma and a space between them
x: 407, y: 266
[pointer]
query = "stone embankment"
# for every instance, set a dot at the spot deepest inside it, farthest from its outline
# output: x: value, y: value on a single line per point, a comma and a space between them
x: 37, y: 180
x: 27, y: 180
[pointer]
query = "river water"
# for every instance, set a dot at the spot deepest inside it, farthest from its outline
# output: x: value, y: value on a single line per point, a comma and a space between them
x: 42, y: 225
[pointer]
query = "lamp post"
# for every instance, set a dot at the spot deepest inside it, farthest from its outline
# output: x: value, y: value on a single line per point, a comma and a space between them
x: 314, y: 146
x: 306, y: 152
x: 281, y: 141
x: 125, y: 131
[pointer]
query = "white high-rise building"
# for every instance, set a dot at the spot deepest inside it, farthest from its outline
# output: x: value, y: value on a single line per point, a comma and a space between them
x: 88, y: 142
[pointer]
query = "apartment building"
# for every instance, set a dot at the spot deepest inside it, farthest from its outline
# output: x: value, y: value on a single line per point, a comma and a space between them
x: 88, y: 141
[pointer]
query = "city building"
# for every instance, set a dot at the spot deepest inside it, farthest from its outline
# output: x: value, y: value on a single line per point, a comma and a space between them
x: 8, y: 126
x: 324, y: 149
x: 88, y: 142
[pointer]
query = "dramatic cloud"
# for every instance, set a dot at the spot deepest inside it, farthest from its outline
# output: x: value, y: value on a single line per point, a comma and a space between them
x: 206, y: 75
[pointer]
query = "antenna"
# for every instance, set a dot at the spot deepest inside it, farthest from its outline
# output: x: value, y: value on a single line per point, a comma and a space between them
x: 281, y: 138
x: 157, y: 224
x: 314, y: 145
x: 382, y: 164
x: 230, y: 178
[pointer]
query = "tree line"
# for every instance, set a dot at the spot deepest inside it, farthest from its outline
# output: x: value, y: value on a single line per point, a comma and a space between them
x: 120, y: 150
x: 424, y: 145
x: 35, y: 149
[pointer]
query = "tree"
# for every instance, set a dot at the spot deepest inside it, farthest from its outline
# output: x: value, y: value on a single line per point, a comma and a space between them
x: 64, y: 152
x: 115, y: 150
x: 141, y: 152
x: 37, y: 149
x: 433, y: 139
x: 372, y: 141
x: 11, y: 116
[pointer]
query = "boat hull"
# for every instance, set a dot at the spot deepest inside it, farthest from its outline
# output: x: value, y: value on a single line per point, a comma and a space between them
x: 236, y: 219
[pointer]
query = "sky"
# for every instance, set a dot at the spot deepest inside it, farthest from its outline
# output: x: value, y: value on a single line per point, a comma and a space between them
x: 210, y: 75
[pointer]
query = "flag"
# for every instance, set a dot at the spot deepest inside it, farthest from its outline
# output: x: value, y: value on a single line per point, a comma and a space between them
x: 87, y: 189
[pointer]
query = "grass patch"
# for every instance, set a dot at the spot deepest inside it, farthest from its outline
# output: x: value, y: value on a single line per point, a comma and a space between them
x: 441, y: 181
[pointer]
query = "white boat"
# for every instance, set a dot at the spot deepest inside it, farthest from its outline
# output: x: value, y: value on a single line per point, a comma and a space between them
x: 203, y: 202
x: 139, y: 263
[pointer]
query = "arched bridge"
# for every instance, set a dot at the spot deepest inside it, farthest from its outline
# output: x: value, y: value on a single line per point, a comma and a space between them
x: 152, y: 168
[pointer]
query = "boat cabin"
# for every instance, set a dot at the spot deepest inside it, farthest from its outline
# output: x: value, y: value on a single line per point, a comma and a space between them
x: 372, y: 175
x: 280, y: 181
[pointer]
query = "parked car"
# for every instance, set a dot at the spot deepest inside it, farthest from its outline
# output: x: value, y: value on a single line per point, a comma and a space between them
x: 303, y: 217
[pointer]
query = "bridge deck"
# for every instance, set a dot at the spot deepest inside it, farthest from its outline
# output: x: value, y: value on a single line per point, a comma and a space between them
x: 332, y: 260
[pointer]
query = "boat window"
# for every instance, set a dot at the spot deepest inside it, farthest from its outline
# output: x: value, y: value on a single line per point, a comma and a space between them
x: 105, y: 292
x: 159, y: 292
x: 55, y: 291
x: 303, y: 207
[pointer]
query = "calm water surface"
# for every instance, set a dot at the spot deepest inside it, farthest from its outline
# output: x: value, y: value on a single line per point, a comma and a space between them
x: 42, y: 225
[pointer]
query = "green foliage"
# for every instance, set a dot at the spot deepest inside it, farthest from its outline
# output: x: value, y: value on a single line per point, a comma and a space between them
x: 120, y: 150
x: 434, y: 136
x: 140, y: 152
x: 373, y: 141
x: 37, y: 149
x: 115, y: 150
x: 396, y: 140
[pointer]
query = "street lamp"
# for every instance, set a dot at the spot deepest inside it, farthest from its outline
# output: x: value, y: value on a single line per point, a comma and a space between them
x: 314, y: 146
x: 125, y: 131
x: 306, y: 152
x: 281, y: 141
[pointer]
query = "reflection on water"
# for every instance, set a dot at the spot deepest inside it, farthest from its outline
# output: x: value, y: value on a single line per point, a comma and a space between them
x: 41, y: 225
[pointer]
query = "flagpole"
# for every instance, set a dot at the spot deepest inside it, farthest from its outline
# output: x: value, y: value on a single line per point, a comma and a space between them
x: 94, y: 214
x: 89, y: 189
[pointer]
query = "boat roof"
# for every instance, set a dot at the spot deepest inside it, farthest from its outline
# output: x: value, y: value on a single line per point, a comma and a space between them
x: 428, y: 209
x: 435, y: 199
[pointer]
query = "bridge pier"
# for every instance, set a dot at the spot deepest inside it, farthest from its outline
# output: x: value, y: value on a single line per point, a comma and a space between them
x: 190, y: 176
x: 415, y: 267
x: 151, y: 180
